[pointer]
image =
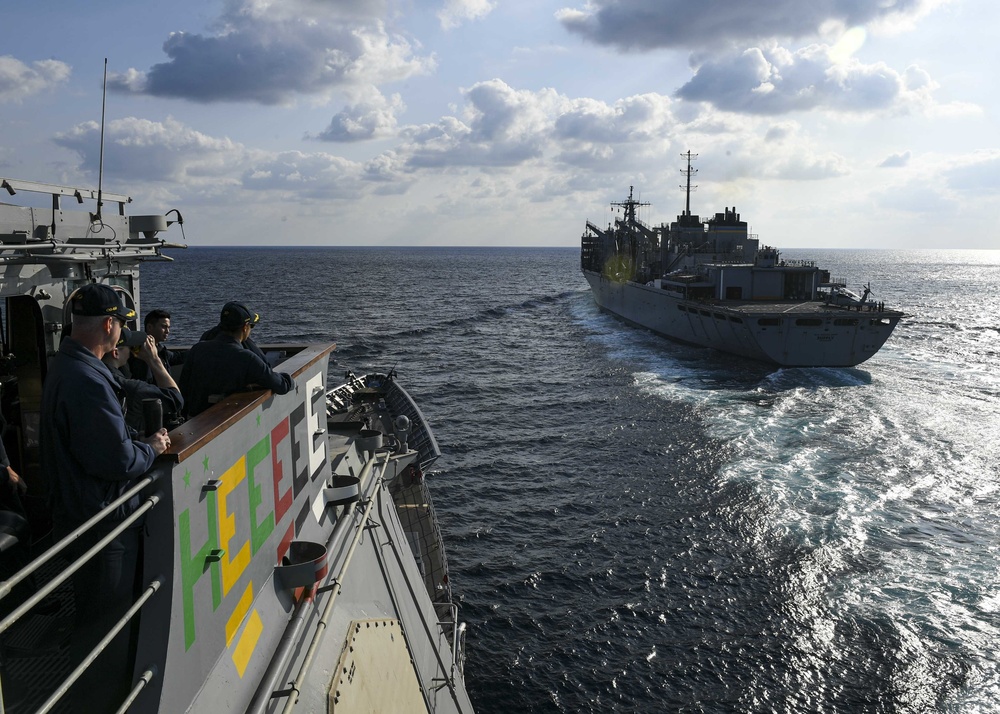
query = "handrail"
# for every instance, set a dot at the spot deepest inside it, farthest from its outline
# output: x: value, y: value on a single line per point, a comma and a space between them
x: 150, y: 590
x: 8, y: 585
x: 45, y: 249
x: 144, y: 679
x: 199, y: 430
x: 66, y: 574
x: 266, y: 689
x: 328, y: 609
x: 449, y: 681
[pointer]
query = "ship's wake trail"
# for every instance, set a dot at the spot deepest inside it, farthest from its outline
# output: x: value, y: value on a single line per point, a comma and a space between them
x: 359, y: 346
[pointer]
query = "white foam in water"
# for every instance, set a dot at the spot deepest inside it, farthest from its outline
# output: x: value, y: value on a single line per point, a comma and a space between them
x: 866, y: 465
x: 886, y: 476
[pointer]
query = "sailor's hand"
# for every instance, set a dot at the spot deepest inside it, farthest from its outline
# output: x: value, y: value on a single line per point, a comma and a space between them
x: 16, y: 482
x: 160, y: 441
x: 147, y: 351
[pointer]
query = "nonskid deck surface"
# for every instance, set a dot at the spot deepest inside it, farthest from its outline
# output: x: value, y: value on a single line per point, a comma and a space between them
x: 34, y: 653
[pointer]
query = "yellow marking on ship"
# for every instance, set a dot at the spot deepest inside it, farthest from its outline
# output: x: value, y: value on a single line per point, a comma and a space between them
x: 247, y: 643
x: 242, y: 608
x: 232, y: 565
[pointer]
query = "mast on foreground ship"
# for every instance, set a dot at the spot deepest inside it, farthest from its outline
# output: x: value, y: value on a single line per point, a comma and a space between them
x: 709, y: 283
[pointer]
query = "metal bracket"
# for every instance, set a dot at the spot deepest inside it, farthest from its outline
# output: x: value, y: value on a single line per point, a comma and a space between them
x: 330, y: 586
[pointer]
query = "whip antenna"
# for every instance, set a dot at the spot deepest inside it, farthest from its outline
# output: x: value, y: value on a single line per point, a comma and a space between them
x: 100, y: 165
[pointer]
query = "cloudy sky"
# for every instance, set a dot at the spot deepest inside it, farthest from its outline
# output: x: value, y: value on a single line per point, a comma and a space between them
x: 827, y: 123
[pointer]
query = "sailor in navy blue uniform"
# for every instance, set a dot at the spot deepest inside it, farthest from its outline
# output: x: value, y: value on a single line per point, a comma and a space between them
x: 221, y: 366
x: 142, y: 347
x: 157, y: 325
x: 236, y: 308
x: 90, y: 458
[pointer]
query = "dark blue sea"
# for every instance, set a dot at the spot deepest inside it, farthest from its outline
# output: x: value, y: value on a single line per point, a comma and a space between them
x: 639, y: 526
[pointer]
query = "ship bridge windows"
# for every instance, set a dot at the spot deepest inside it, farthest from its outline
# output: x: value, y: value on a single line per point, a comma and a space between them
x: 769, y: 321
x: 719, y: 316
x: 845, y: 322
x: 737, y: 320
x: 808, y: 322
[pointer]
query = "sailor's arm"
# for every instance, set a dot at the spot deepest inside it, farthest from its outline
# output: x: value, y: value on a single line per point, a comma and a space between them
x: 99, y: 438
x: 161, y: 375
x: 261, y: 375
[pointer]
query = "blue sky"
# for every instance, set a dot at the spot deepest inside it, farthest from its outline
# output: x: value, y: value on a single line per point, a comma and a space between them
x: 842, y: 123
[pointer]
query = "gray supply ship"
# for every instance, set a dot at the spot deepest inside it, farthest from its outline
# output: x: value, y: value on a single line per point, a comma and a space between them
x: 292, y: 560
x: 708, y: 282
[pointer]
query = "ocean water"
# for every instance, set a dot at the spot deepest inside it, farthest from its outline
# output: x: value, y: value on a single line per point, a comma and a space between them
x: 637, y: 525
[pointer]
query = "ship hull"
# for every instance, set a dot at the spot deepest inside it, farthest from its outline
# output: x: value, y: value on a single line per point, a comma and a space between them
x: 789, y: 334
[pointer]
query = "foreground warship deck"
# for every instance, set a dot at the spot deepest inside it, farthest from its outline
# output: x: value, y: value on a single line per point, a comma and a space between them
x: 292, y: 558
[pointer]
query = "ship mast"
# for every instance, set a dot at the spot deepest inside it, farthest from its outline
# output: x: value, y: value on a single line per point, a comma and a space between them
x: 629, y: 205
x: 626, y: 238
x: 689, y: 172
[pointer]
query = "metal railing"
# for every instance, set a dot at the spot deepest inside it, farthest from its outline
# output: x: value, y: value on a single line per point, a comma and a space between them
x: 267, y: 692
x: 7, y: 587
x: 432, y: 630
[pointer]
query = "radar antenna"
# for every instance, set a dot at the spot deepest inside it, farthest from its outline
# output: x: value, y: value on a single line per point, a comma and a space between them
x: 629, y: 204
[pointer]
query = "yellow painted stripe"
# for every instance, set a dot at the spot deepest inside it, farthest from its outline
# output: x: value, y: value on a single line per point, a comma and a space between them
x: 242, y: 608
x: 247, y: 643
x: 237, y: 557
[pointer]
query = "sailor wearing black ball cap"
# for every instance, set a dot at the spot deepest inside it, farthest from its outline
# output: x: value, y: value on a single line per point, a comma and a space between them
x: 220, y: 366
x: 89, y: 458
x: 236, y: 313
x: 86, y: 448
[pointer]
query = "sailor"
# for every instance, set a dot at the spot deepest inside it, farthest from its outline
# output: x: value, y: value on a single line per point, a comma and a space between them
x: 157, y: 325
x: 142, y: 347
x: 220, y: 366
x: 13, y: 518
x: 89, y: 459
x: 12, y: 486
x: 230, y: 308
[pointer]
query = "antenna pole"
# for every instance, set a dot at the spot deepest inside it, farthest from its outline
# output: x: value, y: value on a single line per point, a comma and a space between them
x: 100, y: 167
x: 688, y: 172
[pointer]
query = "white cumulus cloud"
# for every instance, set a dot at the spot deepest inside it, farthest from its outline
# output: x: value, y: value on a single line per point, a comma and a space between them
x: 456, y: 12
x: 653, y: 24
x: 273, y: 52
x: 774, y: 80
x: 19, y: 80
x: 372, y: 117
